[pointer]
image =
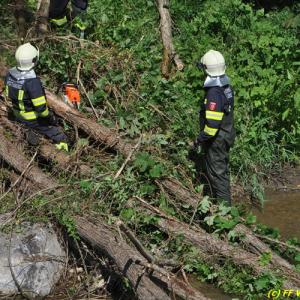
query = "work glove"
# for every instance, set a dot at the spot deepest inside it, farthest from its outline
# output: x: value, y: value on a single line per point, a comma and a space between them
x: 197, y: 146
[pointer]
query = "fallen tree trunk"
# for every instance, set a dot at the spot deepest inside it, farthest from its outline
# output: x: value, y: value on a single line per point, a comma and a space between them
x: 147, y: 284
x: 207, y: 243
x: 248, y: 238
x: 63, y: 160
x: 169, y: 53
x: 16, y: 159
x: 172, y: 186
x: 47, y: 150
x: 96, y: 131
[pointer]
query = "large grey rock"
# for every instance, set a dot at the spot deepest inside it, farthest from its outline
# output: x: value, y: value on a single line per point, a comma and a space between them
x: 32, y: 260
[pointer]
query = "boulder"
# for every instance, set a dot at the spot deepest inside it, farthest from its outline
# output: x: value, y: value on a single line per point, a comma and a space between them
x: 31, y: 260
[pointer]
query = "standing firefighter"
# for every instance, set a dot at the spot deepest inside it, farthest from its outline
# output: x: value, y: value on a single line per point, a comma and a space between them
x: 26, y: 92
x: 58, y: 11
x: 216, y: 124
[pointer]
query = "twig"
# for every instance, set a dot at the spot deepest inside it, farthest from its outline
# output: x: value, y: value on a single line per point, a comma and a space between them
x: 128, y: 158
x: 154, y: 268
x: 184, y: 276
x: 26, y: 200
x: 135, y: 241
x: 78, y: 72
x: 195, y: 211
x: 86, y: 94
x: 278, y: 242
x: 159, y: 112
x: 19, y: 178
x: 84, y: 266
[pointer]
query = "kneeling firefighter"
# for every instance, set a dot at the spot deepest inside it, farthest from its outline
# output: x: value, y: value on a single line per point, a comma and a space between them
x: 26, y: 92
x: 217, y: 131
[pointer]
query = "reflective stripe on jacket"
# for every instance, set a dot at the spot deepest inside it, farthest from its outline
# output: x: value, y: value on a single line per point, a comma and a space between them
x: 216, y: 113
x: 27, y: 94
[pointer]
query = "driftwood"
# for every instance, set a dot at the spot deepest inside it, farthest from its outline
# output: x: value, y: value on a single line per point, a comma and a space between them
x: 148, y: 282
x: 42, y: 17
x: 169, y: 53
x: 248, y: 238
x: 96, y: 131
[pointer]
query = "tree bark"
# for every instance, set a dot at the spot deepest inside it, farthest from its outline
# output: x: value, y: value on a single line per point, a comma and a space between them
x: 169, y: 53
x: 62, y: 159
x: 217, y: 248
x: 42, y: 17
x: 147, y: 285
x: 17, y: 160
x: 248, y: 239
x: 96, y: 131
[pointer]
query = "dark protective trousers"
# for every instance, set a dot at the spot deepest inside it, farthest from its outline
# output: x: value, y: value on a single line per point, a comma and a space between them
x: 54, y: 133
x: 216, y: 166
x: 57, y: 8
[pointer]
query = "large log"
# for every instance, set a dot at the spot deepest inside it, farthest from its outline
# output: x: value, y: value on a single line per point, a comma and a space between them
x: 96, y: 131
x: 218, y: 248
x: 169, y: 53
x: 46, y: 150
x: 147, y: 285
x: 172, y: 186
x: 18, y: 161
x: 63, y: 160
x: 248, y: 238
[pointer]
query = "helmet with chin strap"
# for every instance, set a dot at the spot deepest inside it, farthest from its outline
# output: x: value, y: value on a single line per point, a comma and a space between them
x: 27, y: 57
x: 213, y: 63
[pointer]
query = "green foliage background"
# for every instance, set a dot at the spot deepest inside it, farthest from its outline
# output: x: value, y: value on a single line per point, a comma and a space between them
x: 122, y: 74
x: 263, y: 57
x: 121, y: 71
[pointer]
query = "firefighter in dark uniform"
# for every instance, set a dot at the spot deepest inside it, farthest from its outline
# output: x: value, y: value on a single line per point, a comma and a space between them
x: 26, y: 92
x: 217, y: 131
x: 58, y: 11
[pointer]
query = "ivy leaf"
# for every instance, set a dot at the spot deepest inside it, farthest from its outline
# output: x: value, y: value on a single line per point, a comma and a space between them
x: 205, y: 205
x: 143, y: 161
x: 209, y: 220
x: 265, y: 258
x: 251, y: 219
x: 156, y: 171
x: 127, y: 213
x: 262, y: 283
x: 297, y: 257
x: 224, y: 209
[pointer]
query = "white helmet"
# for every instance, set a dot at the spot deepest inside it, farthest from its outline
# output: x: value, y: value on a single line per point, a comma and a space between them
x: 27, y: 56
x: 213, y: 63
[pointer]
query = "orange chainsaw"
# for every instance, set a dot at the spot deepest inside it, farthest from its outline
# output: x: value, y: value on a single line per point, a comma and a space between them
x: 71, y: 94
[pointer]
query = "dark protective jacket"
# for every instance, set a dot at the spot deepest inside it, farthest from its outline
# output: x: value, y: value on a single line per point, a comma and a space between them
x: 26, y: 92
x: 217, y: 134
x: 216, y: 115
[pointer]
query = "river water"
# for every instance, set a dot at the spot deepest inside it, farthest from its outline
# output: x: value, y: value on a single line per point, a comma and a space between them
x: 281, y: 210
